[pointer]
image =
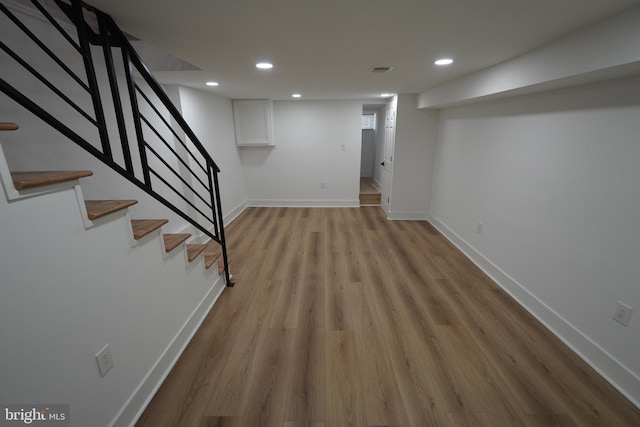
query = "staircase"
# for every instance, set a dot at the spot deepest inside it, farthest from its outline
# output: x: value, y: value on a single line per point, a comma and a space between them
x: 96, y: 209
x: 77, y: 274
x: 369, y: 194
x: 80, y: 274
x: 113, y: 108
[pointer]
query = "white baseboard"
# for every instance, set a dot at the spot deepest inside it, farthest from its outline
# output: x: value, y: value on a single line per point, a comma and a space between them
x: 377, y: 185
x: 199, y: 237
x: 625, y: 381
x: 139, y: 400
x: 407, y: 216
x: 235, y: 212
x: 263, y: 203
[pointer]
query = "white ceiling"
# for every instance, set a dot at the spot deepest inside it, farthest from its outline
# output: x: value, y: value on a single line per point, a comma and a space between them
x: 325, y: 48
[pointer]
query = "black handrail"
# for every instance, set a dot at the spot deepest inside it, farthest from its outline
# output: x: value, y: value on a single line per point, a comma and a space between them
x: 154, y: 166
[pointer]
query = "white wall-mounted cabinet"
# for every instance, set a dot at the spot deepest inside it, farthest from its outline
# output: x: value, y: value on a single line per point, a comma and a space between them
x: 253, y: 122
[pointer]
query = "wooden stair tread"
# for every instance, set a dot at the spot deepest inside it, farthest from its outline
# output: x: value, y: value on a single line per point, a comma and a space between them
x: 8, y: 126
x: 142, y: 227
x: 194, y: 249
x: 173, y: 240
x: 210, y: 259
x: 212, y: 253
x: 100, y: 208
x: 370, y: 199
x: 221, y: 265
x: 369, y: 194
x: 23, y: 180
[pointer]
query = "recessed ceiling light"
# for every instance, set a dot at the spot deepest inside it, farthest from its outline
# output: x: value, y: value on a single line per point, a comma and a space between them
x: 444, y: 61
x: 296, y: 95
x: 386, y: 95
x: 213, y: 84
x: 264, y: 65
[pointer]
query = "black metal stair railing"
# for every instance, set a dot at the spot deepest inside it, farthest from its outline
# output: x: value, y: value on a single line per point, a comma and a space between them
x: 181, y: 175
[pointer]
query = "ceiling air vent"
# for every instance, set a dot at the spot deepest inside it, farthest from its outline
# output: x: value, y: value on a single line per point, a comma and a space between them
x: 380, y: 69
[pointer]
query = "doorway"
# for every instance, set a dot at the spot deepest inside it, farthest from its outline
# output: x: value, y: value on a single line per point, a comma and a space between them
x: 371, y: 153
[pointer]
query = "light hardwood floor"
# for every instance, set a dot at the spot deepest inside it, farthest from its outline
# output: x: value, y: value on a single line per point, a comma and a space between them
x: 342, y: 318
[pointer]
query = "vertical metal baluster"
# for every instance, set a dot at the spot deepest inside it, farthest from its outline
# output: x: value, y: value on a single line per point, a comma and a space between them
x: 115, y: 92
x: 225, y: 258
x: 91, y: 77
x: 210, y: 172
x: 135, y: 110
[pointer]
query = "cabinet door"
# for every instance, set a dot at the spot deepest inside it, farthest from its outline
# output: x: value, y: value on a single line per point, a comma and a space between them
x: 253, y: 121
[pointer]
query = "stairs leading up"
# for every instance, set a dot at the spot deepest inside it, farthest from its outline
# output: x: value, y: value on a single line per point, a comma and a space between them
x: 213, y: 253
x: 26, y: 180
x: 99, y: 208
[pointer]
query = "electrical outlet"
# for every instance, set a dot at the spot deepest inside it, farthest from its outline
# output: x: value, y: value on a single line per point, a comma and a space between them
x: 105, y: 360
x: 622, y: 313
x: 479, y: 227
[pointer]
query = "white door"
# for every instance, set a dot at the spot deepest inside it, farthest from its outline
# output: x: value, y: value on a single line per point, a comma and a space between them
x: 389, y: 143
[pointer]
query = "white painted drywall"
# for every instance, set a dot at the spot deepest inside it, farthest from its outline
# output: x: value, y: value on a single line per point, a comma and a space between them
x: 65, y: 292
x: 211, y: 118
x: 315, y: 142
x: 368, y: 155
x: 554, y: 179
x: 605, y: 50
x: 414, y: 154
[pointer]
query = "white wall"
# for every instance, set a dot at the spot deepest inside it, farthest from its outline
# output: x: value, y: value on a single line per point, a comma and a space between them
x: 609, y: 49
x: 315, y: 142
x: 554, y: 179
x: 368, y: 156
x: 65, y: 292
x: 211, y: 118
x: 370, y: 141
x: 414, y: 153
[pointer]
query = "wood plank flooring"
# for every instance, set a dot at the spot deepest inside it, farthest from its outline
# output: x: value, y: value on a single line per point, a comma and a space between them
x: 342, y: 318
